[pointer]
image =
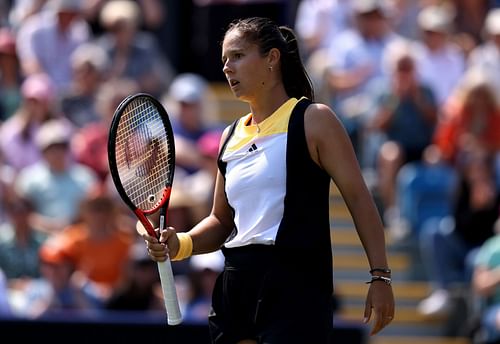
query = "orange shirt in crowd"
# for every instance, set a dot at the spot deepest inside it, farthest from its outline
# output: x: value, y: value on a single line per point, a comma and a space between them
x: 102, y: 260
x: 457, y: 124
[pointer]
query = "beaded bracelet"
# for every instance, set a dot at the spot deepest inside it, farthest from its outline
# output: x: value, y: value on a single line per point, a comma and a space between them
x: 387, y: 280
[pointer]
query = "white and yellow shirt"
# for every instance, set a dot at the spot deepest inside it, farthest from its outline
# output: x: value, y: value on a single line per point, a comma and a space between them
x: 256, y: 176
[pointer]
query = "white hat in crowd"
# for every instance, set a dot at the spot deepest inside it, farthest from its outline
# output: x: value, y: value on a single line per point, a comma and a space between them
x: 367, y: 6
x: 53, y: 132
x: 116, y: 11
x: 492, y: 22
x: 188, y: 88
x: 436, y: 18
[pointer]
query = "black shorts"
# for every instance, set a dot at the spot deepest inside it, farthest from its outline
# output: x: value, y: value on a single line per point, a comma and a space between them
x: 256, y: 298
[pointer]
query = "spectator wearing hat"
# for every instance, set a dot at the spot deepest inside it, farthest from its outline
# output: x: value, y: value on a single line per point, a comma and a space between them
x: 96, y: 243
x: 47, y: 39
x: 10, y: 75
x: 134, y: 54
x: 59, y: 290
x: 56, y: 184
x: 437, y: 52
x: 19, y: 241
x: 189, y: 102
x: 355, y: 64
x: 406, y: 115
x: 486, y: 56
x: 17, y: 134
x: 89, y: 63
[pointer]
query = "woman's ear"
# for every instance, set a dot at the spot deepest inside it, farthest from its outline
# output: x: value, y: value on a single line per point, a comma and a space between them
x: 273, y: 57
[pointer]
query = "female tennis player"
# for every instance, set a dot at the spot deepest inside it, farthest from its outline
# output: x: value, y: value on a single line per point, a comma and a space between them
x: 270, y: 214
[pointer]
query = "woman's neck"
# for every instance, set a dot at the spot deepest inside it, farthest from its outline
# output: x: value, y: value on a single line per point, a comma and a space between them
x: 263, y: 108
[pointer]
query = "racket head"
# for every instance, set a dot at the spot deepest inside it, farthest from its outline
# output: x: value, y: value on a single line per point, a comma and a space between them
x: 141, y: 154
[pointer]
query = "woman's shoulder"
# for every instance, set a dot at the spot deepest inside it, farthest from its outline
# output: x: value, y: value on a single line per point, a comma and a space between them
x: 319, y: 111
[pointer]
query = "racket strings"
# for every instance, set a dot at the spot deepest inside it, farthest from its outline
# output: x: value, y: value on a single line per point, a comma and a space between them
x: 144, y: 154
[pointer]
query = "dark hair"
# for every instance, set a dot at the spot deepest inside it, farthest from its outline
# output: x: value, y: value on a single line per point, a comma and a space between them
x: 267, y: 35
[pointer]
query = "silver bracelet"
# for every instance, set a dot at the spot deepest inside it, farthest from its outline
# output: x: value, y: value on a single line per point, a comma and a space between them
x: 387, y: 280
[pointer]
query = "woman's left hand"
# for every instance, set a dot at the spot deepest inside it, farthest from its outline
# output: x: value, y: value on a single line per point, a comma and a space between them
x: 380, y: 300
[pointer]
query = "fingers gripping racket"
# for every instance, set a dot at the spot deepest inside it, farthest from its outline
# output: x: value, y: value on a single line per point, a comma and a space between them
x: 141, y: 156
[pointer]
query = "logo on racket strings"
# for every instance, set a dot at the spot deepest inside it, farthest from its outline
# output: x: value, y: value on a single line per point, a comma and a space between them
x: 142, y: 151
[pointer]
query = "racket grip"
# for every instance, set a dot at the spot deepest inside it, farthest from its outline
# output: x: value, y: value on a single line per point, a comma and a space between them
x: 174, y: 316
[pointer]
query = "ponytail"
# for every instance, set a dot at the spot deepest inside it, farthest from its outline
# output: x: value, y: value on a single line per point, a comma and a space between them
x: 295, y: 78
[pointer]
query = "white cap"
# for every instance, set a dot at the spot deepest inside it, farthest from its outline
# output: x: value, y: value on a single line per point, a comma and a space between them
x: 53, y: 132
x: 367, y: 6
x: 492, y: 22
x: 115, y: 11
x: 209, y: 261
x: 188, y: 88
x: 435, y: 19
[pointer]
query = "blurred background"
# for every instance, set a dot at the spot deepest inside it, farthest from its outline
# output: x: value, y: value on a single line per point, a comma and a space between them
x: 416, y: 84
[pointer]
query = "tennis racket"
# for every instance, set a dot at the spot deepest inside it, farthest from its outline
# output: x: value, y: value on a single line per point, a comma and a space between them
x: 141, y: 155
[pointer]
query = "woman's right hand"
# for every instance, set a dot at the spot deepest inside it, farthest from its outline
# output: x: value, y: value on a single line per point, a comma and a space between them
x: 166, y: 245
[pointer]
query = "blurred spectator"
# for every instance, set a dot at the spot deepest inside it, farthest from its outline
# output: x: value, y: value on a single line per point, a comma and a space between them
x: 140, y: 289
x: 406, y: 114
x: 56, y: 184
x: 17, y: 134
x: 486, y: 290
x: 98, y: 248
x: 204, y: 270
x: 438, y: 53
x: 153, y: 14
x: 89, y: 63
x: 10, y: 75
x: 469, y: 19
x: 19, y: 241
x: 189, y: 105
x: 89, y: 144
x: 133, y: 53
x: 21, y: 10
x: 471, y: 117
x: 319, y: 22
x: 192, y: 194
x: 448, y: 245
x: 486, y: 56
x: 56, y: 31
x: 404, y: 17
x: 355, y: 62
x: 59, y: 290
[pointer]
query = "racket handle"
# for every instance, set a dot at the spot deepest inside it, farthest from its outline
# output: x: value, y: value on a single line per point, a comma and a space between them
x: 174, y: 316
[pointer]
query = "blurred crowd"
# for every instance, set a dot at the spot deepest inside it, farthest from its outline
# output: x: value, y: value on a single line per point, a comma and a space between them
x: 67, y: 241
x: 417, y: 86
x: 415, y: 83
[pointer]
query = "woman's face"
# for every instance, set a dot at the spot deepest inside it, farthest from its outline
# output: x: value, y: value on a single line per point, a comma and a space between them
x: 246, y: 70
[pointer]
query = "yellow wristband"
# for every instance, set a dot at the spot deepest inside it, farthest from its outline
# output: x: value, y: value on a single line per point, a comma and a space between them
x: 185, y: 247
